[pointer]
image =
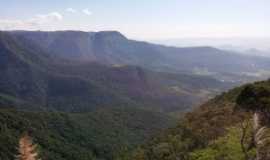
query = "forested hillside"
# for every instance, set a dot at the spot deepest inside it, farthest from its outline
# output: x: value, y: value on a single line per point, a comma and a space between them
x: 216, y: 130
x: 102, y: 134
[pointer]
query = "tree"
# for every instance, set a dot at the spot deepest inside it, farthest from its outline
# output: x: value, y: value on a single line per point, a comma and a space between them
x: 256, y: 99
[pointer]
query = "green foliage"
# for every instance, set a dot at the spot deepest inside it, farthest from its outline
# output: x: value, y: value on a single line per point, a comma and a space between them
x: 204, y: 154
x: 214, y: 131
x: 226, y: 148
x: 174, y: 144
x: 61, y: 136
x: 255, y: 97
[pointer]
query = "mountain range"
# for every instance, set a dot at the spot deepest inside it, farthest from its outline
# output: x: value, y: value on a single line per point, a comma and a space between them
x: 39, y: 80
x: 113, y: 48
x: 99, y: 95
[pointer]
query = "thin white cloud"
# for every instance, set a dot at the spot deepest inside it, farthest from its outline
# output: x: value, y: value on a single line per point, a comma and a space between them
x: 50, y: 17
x: 87, y: 12
x: 11, y: 24
x: 33, y: 23
x: 71, y: 10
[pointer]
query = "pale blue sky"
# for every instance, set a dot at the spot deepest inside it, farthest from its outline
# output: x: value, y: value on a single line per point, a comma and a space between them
x: 142, y: 19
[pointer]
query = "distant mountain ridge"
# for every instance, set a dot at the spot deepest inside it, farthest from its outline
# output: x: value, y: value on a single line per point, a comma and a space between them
x: 32, y: 79
x: 113, y: 48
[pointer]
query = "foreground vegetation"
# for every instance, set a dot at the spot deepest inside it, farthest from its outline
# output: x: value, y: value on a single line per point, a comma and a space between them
x: 218, y: 130
x: 101, y: 134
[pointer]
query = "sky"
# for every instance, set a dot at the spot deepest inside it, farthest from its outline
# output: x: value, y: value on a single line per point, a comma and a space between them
x: 142, y: 19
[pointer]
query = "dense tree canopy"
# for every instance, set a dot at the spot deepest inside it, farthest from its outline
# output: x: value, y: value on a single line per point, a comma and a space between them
x: 255, y: 98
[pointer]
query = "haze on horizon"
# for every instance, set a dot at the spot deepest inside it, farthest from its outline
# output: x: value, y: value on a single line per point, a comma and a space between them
x: 144, y: 20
